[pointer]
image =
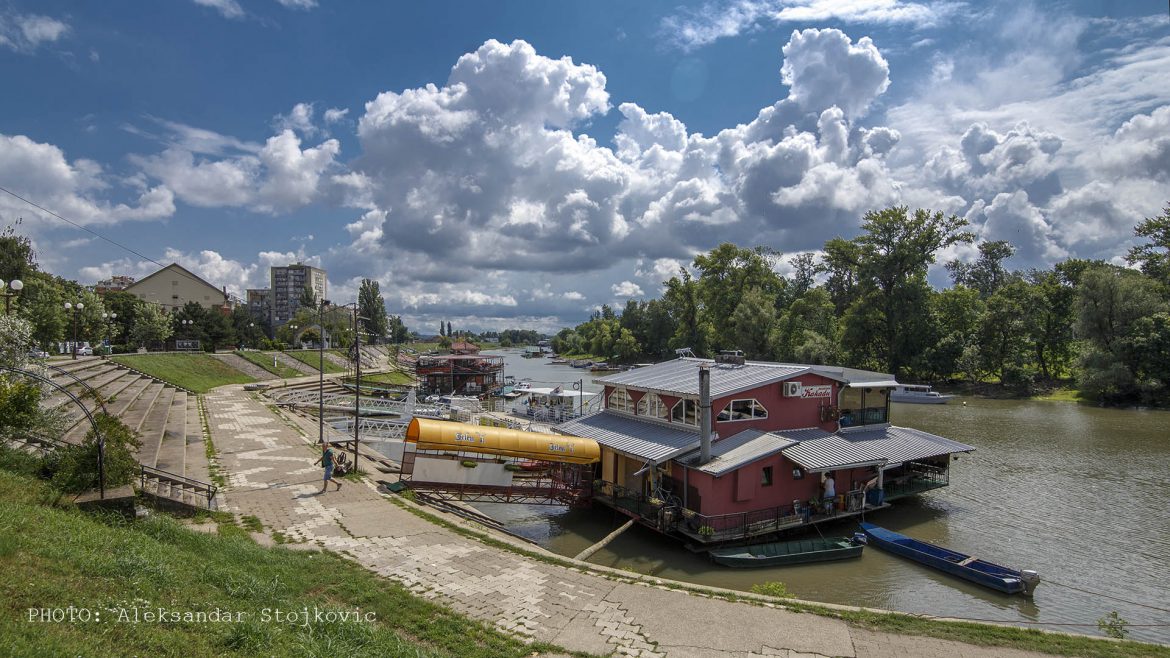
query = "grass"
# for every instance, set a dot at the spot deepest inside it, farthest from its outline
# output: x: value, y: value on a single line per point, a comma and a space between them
x: 195, y: 372
x: 54, y: 556
x: 394, y: 378
x: 1062, y: 395
x: 582, y: 357
x: 312, y: 359
x: 265, y: 361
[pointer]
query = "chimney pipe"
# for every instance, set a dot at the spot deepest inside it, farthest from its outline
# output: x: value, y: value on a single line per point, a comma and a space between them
x: 704, y: 414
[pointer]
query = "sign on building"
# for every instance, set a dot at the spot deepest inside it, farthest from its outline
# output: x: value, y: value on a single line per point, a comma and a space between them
x: 821, y: 391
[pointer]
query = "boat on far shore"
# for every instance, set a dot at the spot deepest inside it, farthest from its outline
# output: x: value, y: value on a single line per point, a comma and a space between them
x: 917, y: 394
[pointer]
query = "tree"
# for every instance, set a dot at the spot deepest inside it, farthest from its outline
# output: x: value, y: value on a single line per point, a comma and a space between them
x: 987, y: 273
x: 682, y: 300
x: 727, y: 272
x: 17, y: 260
x: 840, y: 261
x: 893, y: 254
x: 42, y: 304
x: 397, y: 330
x: 753, y: 318
x: 1154, y: 256
x: 152, y: 327
x: 372, y: 309
x: 449, y: 332
x: 16, y: 339
x: 308, y: 298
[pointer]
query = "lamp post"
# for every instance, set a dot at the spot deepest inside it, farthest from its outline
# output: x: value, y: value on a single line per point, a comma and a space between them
x: 11, y: 289
x: 321, y: 370
x: 251, y: 335
x: 75, y: 308
x: 109, y: 318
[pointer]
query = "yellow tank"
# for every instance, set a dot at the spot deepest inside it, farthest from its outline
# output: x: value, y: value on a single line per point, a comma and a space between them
x: 431, y: 434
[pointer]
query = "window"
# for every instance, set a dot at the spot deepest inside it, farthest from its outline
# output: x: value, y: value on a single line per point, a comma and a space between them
x: 766, y: 476
x: 620, y: 400
x: 651, y: 405
x: 743, y: 410
x: 685, y: 412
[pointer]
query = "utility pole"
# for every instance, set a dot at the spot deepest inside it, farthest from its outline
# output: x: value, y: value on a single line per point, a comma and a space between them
x: 357, y: 391
x: 321, y: 371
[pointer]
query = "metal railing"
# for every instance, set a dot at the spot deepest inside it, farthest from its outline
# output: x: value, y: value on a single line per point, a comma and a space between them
x: 205, y: 490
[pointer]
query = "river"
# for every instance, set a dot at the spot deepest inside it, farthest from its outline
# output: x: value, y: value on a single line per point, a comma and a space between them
x: 1079, y: 493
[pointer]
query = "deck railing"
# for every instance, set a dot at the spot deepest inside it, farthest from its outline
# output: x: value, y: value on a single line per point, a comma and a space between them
x: 918, y: 477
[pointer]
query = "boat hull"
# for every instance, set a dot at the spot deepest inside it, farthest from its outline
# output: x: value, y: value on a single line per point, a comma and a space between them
x: 778, y: 554
x: 980, y: 572
x: 920, y: 399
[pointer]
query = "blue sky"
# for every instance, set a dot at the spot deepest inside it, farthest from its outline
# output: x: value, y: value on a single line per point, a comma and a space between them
x: 521, y: 164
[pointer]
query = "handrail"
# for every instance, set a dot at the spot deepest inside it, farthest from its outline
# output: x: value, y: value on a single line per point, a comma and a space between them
x: 174, y: 478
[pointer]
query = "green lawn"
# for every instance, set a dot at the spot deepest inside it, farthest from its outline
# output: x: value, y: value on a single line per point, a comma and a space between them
x: 393, y: 378
x: 265, y: 360
x: 312, y: 359
x: 52, y: 556
x: 194, y: 372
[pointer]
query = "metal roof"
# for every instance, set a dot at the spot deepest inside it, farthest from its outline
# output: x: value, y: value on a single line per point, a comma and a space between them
x: 903, y: 444
x: 681, y: 376
x: 819, y: 450
x: 735, y: 451
x: 627, y: 435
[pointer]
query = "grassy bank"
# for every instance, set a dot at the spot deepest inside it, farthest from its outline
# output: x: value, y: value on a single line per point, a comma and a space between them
x: 195, y: 372
x: 313, y: 359
x: 265, y: 361
x: 392, y: 378
x: 110, y: 570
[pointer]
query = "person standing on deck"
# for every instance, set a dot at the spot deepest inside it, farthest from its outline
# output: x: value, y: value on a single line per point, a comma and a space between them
x: 326, y: 460
x: 830, y: 486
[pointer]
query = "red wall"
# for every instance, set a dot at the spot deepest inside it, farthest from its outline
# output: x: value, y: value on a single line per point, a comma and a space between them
x: 726, y: 494
x: 783, y: 413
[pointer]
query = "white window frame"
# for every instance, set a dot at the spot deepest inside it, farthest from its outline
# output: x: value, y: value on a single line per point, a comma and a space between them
x: 627, y: 403
x: 652, y: 406
x: 686, y: 401
x: 755, y: 405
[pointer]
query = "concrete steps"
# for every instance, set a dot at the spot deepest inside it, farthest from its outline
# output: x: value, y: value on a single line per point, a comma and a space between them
x: 154, y: 426
x: 172, y: 450
x: 195, y: 465
x: 245, y: 366
x: 294, y: 364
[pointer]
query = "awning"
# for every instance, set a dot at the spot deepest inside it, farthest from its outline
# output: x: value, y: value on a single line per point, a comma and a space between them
x: 832, y: 452
x: 431, y: 434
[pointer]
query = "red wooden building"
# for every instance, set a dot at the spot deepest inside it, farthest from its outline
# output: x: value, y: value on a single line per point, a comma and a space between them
x: 775, y: 433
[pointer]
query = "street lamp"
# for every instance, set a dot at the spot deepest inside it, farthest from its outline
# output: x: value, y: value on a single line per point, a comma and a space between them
x: 13, y: 287
x: 76, y: 308
x: 251, y: 335
x: 109, y: 318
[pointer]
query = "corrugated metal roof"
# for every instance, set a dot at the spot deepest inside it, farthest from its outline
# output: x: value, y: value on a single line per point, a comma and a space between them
x: 735, y: 451
x: 681, y: 376
x: 903, y: 444
x: 819, y: 450
x: 650, y: 441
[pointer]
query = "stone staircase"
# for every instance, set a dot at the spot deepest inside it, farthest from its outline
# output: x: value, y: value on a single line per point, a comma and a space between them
x: 166, y: 419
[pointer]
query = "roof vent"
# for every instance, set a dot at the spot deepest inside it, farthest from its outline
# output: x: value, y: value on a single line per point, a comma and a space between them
x: 732, y: 357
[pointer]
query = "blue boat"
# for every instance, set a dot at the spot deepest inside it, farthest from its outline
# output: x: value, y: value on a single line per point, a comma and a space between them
x: 1009, y: 581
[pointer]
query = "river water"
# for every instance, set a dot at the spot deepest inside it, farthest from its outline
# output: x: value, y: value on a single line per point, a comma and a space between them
x: 1079, y: 493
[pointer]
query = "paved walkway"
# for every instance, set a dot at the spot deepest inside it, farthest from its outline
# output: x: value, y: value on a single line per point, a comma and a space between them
x: 271, y: 475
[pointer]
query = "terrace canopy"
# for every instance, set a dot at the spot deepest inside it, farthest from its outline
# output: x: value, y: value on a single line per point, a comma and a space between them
x: 441, y: 435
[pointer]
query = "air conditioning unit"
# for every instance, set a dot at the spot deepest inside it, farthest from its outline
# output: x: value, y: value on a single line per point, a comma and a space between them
x: 791, y: 389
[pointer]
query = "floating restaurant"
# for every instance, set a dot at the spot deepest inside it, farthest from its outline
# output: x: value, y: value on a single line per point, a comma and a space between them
x: 729, y: 450
x: 459, y: 374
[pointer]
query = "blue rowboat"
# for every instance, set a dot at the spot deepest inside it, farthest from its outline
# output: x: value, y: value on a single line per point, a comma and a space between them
x: 981, y: 572
x: 783, y: 553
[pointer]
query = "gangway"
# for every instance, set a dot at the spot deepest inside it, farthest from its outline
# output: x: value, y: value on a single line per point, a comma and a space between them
x: 477, y: 463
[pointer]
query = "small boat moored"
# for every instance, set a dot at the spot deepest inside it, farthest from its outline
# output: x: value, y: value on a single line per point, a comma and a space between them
x: 781, y: 553
x: 981, y: 572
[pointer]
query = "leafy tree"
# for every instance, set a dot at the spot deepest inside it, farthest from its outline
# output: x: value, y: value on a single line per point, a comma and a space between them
x: 885, y: 323
x: 987, y: 274
x: 750, y: 323
x: 1050, y: 324
x: 682, y: 301
x: 372, y: 309
x: 727, y: 273
x: 397, y: 330
x: 42, y: 304
x: 841, y: 262
x: 1154, y: 256
x: 75, y: 468
x: 16, y: 339
x: 1004, y: 331
x: 152, y: 327
x: 17, y: 260
x: 308, y: 298
x: 626, y: 347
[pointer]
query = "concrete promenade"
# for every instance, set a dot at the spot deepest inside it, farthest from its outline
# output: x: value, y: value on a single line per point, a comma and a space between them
x: 270, y: 471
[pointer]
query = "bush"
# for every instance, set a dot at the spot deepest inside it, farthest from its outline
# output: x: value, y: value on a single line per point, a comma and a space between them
x: 75, y: 468
x: 773, y: 588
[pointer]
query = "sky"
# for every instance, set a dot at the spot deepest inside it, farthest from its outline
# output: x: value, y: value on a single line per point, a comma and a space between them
x: 517, y: 165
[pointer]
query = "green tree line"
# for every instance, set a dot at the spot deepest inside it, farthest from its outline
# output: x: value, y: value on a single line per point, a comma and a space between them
x: 866, y: 303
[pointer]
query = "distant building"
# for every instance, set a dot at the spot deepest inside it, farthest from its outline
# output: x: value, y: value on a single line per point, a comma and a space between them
x: 464, y: 347
x: 173, y: 286
x: 288, y: 283
x: 115, y: 283
x: 259, y: 303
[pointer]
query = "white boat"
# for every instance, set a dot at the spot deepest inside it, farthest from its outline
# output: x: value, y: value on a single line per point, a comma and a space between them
x: 917, y: 394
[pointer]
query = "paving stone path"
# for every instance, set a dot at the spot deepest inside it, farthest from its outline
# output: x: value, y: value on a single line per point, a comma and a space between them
x: 272, y: 476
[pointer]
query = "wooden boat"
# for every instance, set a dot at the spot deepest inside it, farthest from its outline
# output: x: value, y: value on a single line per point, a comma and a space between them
x: 782, y: 553
x: 1009, y: 581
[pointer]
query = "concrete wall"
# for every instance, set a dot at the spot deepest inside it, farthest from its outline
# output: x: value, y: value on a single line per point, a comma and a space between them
x: 172, y: 289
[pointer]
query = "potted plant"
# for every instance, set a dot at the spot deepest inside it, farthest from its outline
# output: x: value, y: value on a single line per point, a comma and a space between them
x: 707, y: 531
x: 468, y: 463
